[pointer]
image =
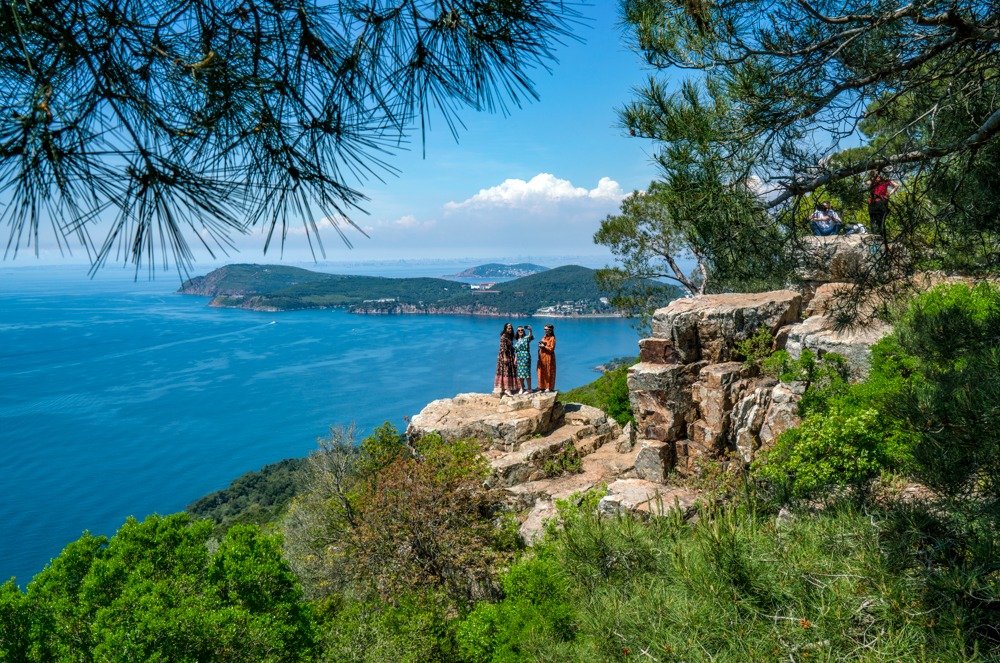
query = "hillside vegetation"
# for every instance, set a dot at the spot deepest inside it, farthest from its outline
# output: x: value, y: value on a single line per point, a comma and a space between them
x: 273, y: 287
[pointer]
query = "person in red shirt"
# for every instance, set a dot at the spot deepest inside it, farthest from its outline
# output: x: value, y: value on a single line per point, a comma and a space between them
x: 880, y: 188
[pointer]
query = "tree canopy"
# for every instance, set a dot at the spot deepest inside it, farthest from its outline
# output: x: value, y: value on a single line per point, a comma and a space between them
x: 187, y: 121
x: 796, y: 97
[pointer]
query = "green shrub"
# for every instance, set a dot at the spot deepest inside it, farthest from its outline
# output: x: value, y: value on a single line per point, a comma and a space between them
x: 822, y: 378
x: 949, y: 341
x: 413, y: 629
x: 567, y: 461
x: 535, y: 607
x: 841, y: 447
x: 757, y: 348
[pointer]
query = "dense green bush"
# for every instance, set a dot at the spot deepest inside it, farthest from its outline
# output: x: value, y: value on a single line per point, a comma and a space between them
x: 822, y: 378
x: 536, y: 606
x: 844, y: 446
x: 157, y: 591
x: 413, y: 628
x: 394, y: 518
x: 949, y: 340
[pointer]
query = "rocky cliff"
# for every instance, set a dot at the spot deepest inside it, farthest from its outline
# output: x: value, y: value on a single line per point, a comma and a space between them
x: 688, y: 395
x: 692, y: 400
x: 541, y: 450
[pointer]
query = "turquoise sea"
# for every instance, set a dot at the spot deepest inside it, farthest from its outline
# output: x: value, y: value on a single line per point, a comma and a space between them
x: 121, y: 398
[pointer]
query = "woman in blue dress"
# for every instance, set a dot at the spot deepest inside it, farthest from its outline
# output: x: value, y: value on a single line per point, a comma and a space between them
x: 522, y: 356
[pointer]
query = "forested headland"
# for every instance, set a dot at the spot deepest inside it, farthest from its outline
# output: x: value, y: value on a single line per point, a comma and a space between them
x: 568, y: 290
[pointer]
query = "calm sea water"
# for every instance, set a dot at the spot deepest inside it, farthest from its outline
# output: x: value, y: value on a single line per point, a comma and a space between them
x: 120, y: 398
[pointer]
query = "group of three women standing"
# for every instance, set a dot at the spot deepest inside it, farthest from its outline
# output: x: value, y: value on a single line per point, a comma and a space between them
x: 514, y: 360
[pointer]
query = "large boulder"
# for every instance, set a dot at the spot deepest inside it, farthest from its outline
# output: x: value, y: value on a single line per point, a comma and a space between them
x: 835, y: 258
x: 709, y: 327
x: 497, y: 422
x: 821, y: 334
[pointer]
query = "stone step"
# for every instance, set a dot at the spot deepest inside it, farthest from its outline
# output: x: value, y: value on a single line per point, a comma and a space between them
x: 602, y: 466
x: 577, y: 413
x: 588, y: 445
x: 518, y: 466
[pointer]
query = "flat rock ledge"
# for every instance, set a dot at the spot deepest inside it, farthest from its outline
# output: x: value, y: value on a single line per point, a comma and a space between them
x: 528, y: 440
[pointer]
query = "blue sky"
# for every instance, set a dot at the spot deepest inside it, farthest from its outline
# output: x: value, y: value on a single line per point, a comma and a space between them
x: 533, y: 183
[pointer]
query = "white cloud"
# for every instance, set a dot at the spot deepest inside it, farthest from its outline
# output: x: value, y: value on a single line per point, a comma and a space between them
x: 542, y: 190
x: 410, y: 222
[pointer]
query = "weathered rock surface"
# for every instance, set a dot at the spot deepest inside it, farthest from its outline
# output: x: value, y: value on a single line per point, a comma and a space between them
x: 821, y: 334
x: 660, y: 395
x: 655, y: 460
x: 782, y: 413
x: 837, y: 258
x: 498, y: 422
x: 709, y: 327
x: 645, y: 498
x: 748, y: 416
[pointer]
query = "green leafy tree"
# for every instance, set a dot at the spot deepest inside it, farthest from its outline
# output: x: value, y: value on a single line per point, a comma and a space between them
x: 157, y: 590
x: 704, y: 208
x: 188, y: 122
x: 650, y: 238
x: 784, y: 92
x: 15, y: 624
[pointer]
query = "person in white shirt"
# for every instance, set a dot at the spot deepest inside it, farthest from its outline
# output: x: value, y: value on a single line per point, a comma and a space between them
x: 825, y: 221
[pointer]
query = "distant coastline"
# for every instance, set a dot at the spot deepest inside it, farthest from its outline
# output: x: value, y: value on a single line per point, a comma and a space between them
x: 563, y: 292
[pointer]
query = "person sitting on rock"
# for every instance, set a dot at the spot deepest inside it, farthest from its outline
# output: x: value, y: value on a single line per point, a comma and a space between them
x: 825, y: 221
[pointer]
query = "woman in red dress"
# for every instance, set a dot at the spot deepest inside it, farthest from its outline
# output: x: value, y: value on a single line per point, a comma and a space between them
x: 547, y: 360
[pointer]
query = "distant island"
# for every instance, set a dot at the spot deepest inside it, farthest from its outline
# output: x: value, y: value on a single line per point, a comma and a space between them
x: 563, y: 291
x: 495, y: 270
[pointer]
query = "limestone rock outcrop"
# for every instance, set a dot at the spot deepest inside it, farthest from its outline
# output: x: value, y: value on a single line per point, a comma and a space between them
x: 502, y: 423
x: 694, y: 400
x: 835, y: 258
x: 529, y: 439
x: 709, y: 327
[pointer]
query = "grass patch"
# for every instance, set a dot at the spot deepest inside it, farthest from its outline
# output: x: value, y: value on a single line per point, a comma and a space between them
x: 608, y: 392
